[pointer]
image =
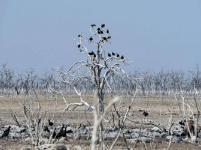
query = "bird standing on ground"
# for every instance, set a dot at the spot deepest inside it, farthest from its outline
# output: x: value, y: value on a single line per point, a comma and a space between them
x: 145, y: 113
x: 6, y: 132
x: 50, y: 123
x: 45, y: 128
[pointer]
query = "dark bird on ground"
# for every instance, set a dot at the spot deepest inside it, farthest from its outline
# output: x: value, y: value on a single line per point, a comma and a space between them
x: 109, y: 55
x: 93, y: 25
x: 122, y: 57
x: 109, y: 37
x: 145, y: 113
x: 45, y: 128
x: 17, y: 91
x: 62, y: 131
x: 117, y: 55
x: 78, y: 46
x: 107, y: 31
x: 113, y: 53
x: 90, y: 39
x: 54, y: 133
x: 6, y: 132
x: 50, y: 123
x: 79, y: 36
x: 39, y: 120
x: 91, y: 53
x: 103, y: 25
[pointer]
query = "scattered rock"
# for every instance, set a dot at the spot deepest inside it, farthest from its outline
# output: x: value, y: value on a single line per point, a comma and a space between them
x: 26, y: 147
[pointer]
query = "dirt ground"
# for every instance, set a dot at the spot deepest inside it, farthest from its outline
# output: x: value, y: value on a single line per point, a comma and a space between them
x: 159, y: 109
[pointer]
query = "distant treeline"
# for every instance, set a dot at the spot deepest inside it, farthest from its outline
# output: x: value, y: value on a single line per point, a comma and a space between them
x: 162, y: 81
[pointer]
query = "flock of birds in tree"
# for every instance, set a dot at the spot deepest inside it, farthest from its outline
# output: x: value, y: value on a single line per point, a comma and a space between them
x: 104, y: 38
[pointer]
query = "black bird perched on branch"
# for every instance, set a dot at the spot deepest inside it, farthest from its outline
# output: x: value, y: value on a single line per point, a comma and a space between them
x: 93, y: 25
x: 103, y: 25
x: 122, y: 57
x: 50, y: 123
x: 145, y: 113
x: 113, y: 53
x: 109, y: 55
x: 104, y: 38
x: 109, y: 37
x: 117, y: 55
x: 101, y: 32
x: 6, y: 132
x: 79, y: 36
x: 78, y: 46
x: 91, y: 53
x: 90, y: 39
x: 108, y: 32
x: 94, y: 55
x: 98, y: 29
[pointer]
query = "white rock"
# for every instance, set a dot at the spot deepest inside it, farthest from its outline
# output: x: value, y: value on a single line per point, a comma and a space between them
x: 193, y: 139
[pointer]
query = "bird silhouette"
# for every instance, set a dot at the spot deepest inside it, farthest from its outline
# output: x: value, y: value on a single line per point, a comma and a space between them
x: 45, y: 128
x: 117, y: 55
x: 109, y: 55
x: 104, y: 38
x: 145, y: 113
x: 98, y: 29
x: 50, y: 123
x: 78, y: 46
x: 79, y: 36
x: 122, y: 57
x: 6, y: 132
x: 93, y: 25
x: 103, y: 25
x: 101, y: 32
x: 113, y: 53
x: 109, y: 37
x: 90, y: 39
x: 94, y: 55
x: 91, y: 53
x: 54, y: 133
x: 108, y: 32
x: 63, y: 131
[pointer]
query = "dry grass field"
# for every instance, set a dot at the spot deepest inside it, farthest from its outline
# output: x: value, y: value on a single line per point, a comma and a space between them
x: 159, y: 111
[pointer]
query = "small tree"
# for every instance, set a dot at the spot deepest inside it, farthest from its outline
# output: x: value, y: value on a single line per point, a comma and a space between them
x: 97, y: 67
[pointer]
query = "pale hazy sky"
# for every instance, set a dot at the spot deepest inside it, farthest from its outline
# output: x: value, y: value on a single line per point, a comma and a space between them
x: 154, y: 34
